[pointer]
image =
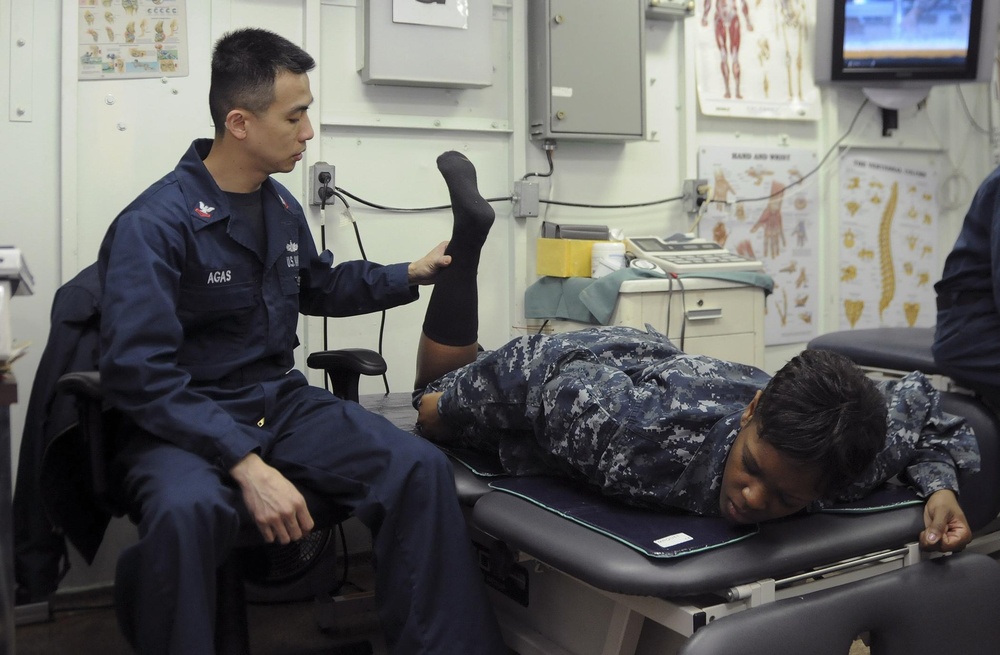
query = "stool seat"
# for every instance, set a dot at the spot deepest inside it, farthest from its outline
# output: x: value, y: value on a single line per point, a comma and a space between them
x: 896, y: 349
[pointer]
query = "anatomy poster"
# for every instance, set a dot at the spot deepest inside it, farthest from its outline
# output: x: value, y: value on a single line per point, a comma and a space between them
x: 754, y: 58
x: 888, y: 243
x: 759, y: 208
x: 131, y: 38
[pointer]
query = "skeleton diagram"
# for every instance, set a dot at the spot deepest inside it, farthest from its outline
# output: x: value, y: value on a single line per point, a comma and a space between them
x: 793, y: 30
x: 727, y: 37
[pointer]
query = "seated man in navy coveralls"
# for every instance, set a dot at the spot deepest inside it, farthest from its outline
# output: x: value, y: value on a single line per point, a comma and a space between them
x: 629, y: 413
x: 967, y: 335
x: 204, y: 276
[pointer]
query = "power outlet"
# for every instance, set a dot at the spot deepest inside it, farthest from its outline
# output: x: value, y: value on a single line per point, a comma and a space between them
x: 694, y: 193
x: 320, y: 187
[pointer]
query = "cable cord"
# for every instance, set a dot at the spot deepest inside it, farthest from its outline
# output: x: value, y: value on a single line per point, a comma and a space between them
x: 408, y: 210
x: 670, y: 303
x: 364, y: 256
x: 548, y: 155
x: 624, y: 206
x: 818, y: 166
x: 968, y: 114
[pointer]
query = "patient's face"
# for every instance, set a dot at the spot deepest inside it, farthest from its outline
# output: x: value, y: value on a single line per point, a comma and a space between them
x: 760, y: 483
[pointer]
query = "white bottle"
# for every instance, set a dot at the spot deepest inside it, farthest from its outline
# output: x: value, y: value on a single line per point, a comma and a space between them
x: 606, y: 257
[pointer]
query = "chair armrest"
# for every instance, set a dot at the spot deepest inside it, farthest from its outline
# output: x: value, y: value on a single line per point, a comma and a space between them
x: 358, y: 360
x: 345, y: 366
x: 82, y: 384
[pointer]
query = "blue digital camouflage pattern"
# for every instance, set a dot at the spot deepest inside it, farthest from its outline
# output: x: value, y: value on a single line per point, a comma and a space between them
x: 627, y: 411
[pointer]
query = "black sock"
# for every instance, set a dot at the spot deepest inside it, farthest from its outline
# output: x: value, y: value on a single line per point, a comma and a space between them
x: 452, y: 315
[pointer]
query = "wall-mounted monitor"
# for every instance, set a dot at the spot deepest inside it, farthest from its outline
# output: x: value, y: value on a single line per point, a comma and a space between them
x: 900, y: 48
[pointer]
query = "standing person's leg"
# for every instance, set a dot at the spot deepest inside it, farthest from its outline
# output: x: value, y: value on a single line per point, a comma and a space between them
x: 451, y: 325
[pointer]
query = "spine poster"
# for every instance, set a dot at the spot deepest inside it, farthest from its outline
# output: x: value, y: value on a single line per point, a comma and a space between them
x: 759, y: 207
x: 888, y: 243
x: 131, y: 39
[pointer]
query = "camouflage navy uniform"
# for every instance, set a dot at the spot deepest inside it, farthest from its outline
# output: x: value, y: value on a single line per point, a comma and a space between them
x: 627, y: 411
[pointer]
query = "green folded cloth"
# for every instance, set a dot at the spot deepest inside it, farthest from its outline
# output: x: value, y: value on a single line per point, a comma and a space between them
x: 752, y: 278
x: 587, y: 300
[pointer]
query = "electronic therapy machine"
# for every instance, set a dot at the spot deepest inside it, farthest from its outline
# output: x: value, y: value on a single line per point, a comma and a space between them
x: 544, y: 544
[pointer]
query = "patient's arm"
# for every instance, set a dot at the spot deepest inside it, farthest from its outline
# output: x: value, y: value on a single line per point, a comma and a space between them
x: 945, y: 526
x: 429, y: 421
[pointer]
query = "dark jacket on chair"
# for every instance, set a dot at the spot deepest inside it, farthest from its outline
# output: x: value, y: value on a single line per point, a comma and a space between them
x: 52, y: 496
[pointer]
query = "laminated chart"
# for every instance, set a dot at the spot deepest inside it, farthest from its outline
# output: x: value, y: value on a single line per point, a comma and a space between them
x: 759, y: 207
x: 131, y: 39
x: 888, y: 239
x: 754, y: 58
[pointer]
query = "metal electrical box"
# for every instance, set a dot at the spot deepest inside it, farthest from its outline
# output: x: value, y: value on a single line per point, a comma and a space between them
x: 425, y: 54
x: 586, y: 69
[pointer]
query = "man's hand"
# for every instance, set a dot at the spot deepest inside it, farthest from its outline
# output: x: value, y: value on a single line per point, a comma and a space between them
x: 945, y: 526
x: 424, y: 270
x: 275, y: 504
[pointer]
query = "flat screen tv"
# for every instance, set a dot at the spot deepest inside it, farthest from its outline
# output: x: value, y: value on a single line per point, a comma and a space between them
x: 905, y: 44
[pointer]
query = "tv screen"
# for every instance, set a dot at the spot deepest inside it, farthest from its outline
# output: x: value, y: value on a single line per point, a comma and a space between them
x: 872, y: 41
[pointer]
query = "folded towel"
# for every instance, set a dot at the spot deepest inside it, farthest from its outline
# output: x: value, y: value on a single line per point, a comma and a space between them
x: 587, y: 300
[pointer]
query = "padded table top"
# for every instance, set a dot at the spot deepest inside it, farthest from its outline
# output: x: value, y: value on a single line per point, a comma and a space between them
x: 780, y: 548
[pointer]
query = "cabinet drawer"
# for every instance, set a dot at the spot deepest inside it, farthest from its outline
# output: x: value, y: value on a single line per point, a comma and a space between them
x: 742, y: 348
x: 711, y: 312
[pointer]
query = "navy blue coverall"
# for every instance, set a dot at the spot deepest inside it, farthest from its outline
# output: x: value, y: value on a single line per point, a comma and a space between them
x: 967, y: 335
x: 198, y: 330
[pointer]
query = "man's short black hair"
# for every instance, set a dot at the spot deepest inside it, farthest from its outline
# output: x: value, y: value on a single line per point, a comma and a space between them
x: 245, y: 64
x: 821, y: 409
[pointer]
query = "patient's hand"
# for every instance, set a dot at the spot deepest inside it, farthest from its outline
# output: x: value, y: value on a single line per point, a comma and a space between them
x: 945, y: 526
x: 275, y: 504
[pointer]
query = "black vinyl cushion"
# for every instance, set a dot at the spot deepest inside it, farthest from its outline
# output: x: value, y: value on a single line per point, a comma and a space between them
x: 898, y: 349
x: 945, y: 605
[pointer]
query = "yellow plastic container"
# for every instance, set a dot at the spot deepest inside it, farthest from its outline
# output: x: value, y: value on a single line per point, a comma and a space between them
x: 563, y: 257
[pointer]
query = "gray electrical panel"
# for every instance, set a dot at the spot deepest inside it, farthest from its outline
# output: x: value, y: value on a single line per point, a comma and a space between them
x: 586, y: 69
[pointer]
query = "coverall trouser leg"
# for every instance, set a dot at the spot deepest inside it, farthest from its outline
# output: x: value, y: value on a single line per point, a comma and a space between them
x: 430, y: 595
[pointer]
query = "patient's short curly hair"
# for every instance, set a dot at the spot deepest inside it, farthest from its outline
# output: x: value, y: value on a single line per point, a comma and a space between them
x: 822, y: 410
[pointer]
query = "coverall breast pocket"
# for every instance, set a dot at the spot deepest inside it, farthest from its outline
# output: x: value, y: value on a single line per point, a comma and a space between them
x: 289, y: 284
x: 216, y: 315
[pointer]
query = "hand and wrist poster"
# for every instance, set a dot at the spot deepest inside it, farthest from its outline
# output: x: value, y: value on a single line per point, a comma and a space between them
x: 131, y: 39
x: 759, y: 208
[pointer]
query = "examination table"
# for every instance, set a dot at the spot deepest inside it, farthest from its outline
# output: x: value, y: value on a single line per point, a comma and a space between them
x: 564, y: 587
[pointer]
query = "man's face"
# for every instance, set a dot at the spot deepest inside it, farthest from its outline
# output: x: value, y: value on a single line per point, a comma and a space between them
x: 277, y: 137
x: 760, y: 483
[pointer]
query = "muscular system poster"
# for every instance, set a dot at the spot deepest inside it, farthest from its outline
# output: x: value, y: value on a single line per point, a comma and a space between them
x: 754, y: 58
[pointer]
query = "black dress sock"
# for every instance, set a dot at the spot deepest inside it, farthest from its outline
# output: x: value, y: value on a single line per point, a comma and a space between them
x: 452, y: 315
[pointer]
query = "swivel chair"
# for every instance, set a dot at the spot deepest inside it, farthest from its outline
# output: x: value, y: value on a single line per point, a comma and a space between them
x: 98, y: 423
x: 943, y: 605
